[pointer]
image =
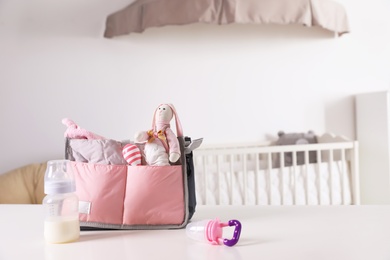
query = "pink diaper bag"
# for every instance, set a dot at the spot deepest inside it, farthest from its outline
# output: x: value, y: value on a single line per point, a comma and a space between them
x: 116, y: 195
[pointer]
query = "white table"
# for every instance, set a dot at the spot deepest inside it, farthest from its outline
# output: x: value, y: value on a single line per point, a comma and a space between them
x: 315, y: 233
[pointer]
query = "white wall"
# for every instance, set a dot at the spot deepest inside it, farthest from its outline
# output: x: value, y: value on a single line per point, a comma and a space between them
x: 229, y: 83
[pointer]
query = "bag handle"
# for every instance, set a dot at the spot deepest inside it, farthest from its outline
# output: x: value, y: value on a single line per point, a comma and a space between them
x: 179, y: 129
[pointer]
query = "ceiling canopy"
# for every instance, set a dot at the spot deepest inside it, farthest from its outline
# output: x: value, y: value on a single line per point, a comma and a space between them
x: 143, y: 14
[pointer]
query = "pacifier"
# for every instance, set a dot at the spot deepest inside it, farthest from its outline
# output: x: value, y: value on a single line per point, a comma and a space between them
x: 211, y: 231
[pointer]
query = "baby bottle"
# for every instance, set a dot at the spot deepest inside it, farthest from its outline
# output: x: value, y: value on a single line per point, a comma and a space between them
x: 210, y: 231
x: 60, y: 204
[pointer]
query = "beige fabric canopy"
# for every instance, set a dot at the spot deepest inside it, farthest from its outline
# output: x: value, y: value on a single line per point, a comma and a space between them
x: 143, y: 14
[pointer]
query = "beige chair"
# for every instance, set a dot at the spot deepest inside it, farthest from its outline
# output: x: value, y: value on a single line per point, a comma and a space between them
x: 23, y: 185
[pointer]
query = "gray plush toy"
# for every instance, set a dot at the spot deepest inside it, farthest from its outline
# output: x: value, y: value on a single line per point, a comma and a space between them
x: 292, y: 139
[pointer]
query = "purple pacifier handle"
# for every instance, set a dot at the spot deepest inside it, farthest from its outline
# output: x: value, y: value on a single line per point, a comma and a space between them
x: 236, y: 233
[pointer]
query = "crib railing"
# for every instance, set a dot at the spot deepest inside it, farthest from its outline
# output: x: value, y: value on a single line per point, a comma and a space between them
x: 223, y: 172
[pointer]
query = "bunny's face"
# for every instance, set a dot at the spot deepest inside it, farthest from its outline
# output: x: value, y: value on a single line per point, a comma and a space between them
x: 164, y: 113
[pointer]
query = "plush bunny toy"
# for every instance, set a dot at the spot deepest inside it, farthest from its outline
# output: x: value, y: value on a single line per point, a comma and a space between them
x: 161, y: 144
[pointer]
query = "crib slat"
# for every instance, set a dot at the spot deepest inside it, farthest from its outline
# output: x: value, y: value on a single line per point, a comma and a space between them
x: 257, y: 158
x: 294, y: 165
x: 245, y: 171
x: 354, y: 178
x: 342, y: 174
x: 205, y: 182
x: 318, y: 177
x: 231, y: 176
x: 330, y: 176
x: 269, y: 178
x: 306, y: 171
x: 219, y: 177
x: 282, y: 177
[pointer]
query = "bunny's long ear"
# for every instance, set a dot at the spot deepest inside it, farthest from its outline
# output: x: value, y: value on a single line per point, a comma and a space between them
x: 179, y: 128
x: 154, y: 118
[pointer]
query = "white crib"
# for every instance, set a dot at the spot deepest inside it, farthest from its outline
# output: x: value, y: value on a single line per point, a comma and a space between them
x: 257, y: 175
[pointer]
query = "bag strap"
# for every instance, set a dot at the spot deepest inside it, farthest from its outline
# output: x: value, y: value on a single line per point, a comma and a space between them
x: 179, y: 129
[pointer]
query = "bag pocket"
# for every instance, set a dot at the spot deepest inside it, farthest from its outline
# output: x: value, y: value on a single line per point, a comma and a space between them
x: 154, y: 196
x: 101, y: 191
